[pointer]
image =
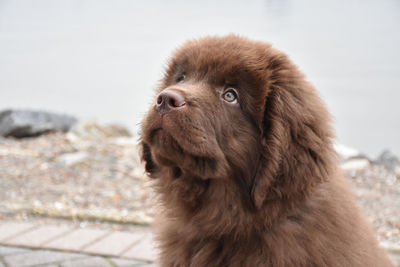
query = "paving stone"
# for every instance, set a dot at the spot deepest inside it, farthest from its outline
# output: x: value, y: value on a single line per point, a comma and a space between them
x: 39, y: 257
x: 12, y: 250
x: 115, y: 243
x: 395, y: 258
x: 39, y: 236
x: 125, y: 262
x: 87, y: 262
x: 10, y: 229
x: 144, y: 250
x: 76, y: 239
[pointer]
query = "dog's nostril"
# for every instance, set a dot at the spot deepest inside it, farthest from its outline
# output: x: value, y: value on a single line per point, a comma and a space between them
x: 168, y: 100
x: 159, y: 100
x: 171, y: 102
x: 174, y: 102
x: 175, y: 99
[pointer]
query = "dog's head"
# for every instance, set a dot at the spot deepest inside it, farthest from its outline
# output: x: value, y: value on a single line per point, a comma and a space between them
x: 229, y: 108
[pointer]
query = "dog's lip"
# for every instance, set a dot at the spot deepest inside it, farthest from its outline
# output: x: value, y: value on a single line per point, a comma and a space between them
x: 154, y: 131
x: 163, y: 131
x: 164, y: 126
x: 160, y: 125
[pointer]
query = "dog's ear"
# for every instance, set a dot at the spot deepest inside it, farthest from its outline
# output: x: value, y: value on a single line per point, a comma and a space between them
x: 297, y: 151
x: 146, y: 157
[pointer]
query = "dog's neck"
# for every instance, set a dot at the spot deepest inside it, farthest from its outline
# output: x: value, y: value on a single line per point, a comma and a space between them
x: 224, y: 204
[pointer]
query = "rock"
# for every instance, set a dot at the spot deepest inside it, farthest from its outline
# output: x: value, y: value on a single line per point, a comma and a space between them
x: 90, y: 129
x: 26, y: 123
x: 389, y: 160
x: 355, y: 164
x: 346, y: 152
x: 87, y: 129
x: 397, y: 171
x: 116, y: 130
x: 73, y: 158
x: 124, y: 141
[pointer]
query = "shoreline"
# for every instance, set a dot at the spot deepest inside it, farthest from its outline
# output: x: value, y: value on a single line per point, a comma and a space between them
x: 92, y: 174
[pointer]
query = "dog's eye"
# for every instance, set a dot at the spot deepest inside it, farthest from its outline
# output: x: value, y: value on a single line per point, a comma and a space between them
x: 181, y: 78
x: 230, y: 95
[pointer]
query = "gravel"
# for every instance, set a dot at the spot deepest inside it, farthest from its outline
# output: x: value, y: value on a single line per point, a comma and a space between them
x: 91, y: 176
x: 65, y: 176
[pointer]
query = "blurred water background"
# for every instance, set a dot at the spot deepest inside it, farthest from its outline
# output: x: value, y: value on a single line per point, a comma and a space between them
x: 101, y: 59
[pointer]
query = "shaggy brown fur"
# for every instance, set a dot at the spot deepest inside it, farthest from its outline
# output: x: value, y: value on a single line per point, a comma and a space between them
x: 254, y: 181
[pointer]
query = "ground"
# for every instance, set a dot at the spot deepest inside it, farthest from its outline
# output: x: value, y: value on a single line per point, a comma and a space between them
x: 87, y: 179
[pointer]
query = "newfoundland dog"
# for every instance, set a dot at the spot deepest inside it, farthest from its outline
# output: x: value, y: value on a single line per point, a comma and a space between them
x: 240, y: 148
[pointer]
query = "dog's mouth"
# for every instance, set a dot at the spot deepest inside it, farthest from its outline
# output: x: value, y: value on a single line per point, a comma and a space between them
x: 164, y: 141
x: 183, y: 146
x: 160, y: 136
x: 171, y: 134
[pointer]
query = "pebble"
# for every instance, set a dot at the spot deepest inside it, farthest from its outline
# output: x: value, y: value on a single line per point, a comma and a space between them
x: 87, y: 176
x: 73, y: 158
x: 70, y: 176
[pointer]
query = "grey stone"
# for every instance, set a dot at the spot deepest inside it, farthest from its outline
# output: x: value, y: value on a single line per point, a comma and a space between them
x: 12, y: 229
x: 125, y: 262
x: 77, y: 239
x: 25, y: 123
x: 114, y: 244
x: 39, y: 236
x: 395, y: 258
x: 145, y: 250
x: 39, y: 257
x: 87, y: 262
x: 12, y: 250
x: 388, y: 159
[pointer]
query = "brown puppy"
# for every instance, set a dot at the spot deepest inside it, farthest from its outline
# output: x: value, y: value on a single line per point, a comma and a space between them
x: 241, y: 149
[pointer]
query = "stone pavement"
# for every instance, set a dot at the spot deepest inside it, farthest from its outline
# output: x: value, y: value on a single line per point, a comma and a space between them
x: 31, y: 244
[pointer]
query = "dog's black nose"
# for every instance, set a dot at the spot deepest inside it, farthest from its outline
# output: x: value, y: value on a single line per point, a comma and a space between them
x: 169, y: 100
